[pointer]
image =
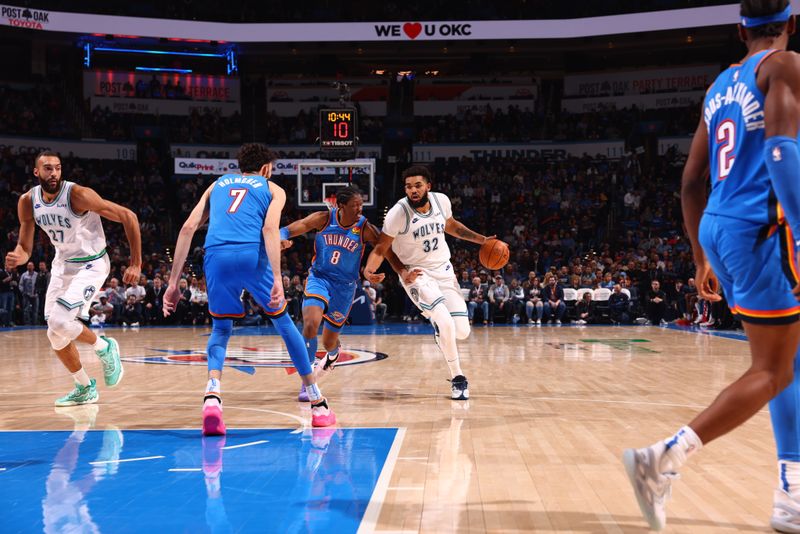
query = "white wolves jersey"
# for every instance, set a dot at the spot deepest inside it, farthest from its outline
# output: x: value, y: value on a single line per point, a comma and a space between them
x: 77, y: 238
x: 419, y: 238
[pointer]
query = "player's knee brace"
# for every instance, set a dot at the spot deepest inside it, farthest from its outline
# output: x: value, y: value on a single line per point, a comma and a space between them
x: 221, y: 330
x: 462, y: 327
x: 62, y: 327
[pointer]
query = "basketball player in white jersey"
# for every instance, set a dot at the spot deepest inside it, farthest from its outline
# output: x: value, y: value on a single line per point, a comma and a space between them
x: 415, y: 230
x: 70, y: 215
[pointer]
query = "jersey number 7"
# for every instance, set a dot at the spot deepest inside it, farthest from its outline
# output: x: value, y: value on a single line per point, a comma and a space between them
x: 238, y: 195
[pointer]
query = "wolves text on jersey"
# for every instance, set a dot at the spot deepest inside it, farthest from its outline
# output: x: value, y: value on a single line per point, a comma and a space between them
x: 428, y: 229
x: 49, y: 219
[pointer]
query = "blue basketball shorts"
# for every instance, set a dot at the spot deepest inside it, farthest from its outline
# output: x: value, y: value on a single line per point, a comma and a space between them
x: 756, y: 266
x: 231, y: 268
x: 334, y: 297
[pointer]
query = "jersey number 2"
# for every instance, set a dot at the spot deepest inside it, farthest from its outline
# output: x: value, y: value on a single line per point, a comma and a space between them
x: 726, y: 137
x: 238, y: 195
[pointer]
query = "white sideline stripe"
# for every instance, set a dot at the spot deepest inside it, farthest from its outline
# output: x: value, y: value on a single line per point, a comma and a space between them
x: 373, y: 511
x: 125, y: 460
x: 245, y: 445
x: 2, y: 468
x: 184, y: 469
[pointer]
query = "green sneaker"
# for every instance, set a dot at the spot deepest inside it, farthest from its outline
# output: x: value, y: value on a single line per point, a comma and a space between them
x: 80, y: 395
x: 112, y: 365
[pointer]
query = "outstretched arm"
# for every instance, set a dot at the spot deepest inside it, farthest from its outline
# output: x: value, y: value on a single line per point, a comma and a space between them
x: 459, y: 230
x: 315, y: 221
x: 272, y: 242
x: 196, y: 219
x: 85, y: 199
x: 373, y: 235
x: 21, y: 253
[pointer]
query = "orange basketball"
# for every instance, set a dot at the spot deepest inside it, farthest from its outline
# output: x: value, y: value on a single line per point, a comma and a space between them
x: 494, y: 254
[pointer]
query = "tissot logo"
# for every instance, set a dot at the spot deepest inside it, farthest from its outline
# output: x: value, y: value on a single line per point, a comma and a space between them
x: 412, y: 30
x: 25, y: 18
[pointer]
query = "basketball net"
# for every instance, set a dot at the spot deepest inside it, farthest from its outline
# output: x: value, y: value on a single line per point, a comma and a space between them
x: 330, y: 201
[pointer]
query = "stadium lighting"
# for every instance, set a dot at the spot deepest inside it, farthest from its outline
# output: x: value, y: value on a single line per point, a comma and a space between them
x: 164, y: 69
x: 157, y: 52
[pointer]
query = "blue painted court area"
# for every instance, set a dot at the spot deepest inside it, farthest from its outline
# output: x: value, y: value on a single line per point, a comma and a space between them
x: 253, y: 480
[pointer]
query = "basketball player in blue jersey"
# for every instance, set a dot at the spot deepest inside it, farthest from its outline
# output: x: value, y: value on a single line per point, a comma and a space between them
x: 335, y: 272
x: 747, y: 142
x: 242, y: 252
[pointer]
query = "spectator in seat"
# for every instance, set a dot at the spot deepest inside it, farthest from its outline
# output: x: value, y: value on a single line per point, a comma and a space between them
x: 101, y: 311
x: 534, y: 305
x: 116, y: 297
x: 478, y: 299
x: 498, y: 299
x: 516, y: 301
x: 553, y: 296
x: 584, y: 310
x: 131, y: 316
x: 199, y: 303
x: 153, y: 301
x: 618, y: 306
x: 656, y: 304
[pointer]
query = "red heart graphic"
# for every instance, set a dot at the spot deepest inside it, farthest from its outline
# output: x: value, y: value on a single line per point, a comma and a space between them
x: 412, y: 29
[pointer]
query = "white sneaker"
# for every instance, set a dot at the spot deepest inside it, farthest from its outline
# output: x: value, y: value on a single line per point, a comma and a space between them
x: 663, y: 322
x: 324, y: 366
x: 558, y: 322
x: 651, y: 487
x: 785, y: 513
x: 538, y: 322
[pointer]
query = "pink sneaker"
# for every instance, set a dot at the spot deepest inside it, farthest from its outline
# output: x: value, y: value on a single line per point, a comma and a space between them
x: 321, y: 415
x: 212, y: 420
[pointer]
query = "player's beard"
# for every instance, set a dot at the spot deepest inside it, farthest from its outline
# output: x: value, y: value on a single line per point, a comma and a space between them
x: 423, y: 200
x: 47, y: 188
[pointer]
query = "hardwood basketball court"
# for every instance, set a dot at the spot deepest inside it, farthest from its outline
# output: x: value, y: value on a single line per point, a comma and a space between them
x: 536, y: 448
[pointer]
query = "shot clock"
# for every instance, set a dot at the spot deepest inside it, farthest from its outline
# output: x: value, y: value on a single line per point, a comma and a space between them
x: 338, y: 133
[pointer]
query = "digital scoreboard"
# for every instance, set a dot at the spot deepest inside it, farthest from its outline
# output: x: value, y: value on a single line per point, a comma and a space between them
x: 338, y: 133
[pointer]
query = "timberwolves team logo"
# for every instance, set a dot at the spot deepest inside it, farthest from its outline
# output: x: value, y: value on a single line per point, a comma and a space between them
x: 88, y: 292
x: 246, y: 359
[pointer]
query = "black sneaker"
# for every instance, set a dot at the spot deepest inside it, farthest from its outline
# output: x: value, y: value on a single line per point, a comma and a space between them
x: 459, y: 388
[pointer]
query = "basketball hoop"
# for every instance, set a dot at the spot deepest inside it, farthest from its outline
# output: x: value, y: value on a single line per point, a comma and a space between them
x: 330, y: 201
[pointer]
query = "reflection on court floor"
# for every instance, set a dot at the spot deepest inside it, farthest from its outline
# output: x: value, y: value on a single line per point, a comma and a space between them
x: 253, y: 480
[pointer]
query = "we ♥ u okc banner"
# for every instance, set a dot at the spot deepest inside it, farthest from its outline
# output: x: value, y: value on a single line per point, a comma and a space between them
x: 410, y: 30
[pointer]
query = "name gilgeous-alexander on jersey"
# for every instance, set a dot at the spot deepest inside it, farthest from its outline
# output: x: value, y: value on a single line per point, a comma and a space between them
x: 75, y: 237
x: 733, y: 112
x: 419, y: 238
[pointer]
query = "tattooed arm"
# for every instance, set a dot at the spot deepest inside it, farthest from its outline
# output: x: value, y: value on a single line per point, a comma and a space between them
x: 459, y: 230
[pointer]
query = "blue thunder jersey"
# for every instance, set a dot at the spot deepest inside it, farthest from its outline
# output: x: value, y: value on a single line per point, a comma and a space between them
x: 734, y: 116
x: 237, y: 209
x: 338, y: 250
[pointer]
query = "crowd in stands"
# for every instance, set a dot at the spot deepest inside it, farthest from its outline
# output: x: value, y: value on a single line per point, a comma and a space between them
x: 34, y: 109
x: 572, y: 225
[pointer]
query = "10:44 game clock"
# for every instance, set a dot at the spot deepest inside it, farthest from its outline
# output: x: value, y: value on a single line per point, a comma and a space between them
x: 338, y: 129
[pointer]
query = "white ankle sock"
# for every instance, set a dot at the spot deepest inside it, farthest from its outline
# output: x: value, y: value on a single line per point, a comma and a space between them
x: 678, y: 448
x: 214, y: 387
x: 81, y: 377
x: 789, y: 477
x: 314, y: 393
x: 100, y: 345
